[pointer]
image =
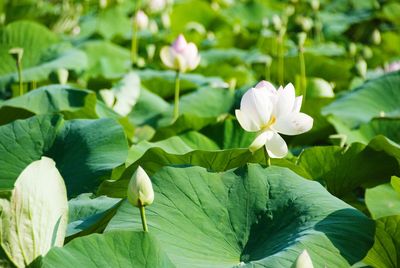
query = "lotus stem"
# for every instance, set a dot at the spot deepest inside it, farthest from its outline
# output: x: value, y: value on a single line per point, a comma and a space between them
x: 280, y: 58
x: 303, y: 77
x: 267, y: 71
x: 134, y: 44
x: 176, y: 99
x: 267, y: 158
x: 21, y: 88
x: 143, y: 217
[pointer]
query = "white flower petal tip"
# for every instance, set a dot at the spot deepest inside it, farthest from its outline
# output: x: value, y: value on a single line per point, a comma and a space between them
x: 276, y: 146
x: 140, y: 190
x: 303, y: 260
x: 245, y: 122
x: 181, y: 55
x: 274, y: 113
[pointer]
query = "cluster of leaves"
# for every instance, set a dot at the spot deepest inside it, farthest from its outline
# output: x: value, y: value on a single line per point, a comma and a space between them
x: 216, y: 203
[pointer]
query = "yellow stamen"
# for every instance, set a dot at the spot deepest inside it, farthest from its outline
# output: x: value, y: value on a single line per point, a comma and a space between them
x: 269, y: 124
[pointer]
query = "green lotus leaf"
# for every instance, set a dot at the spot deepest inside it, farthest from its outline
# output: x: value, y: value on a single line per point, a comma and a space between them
x: 230, y: 219
x: 379, y: 97
x: 77, y: 147
x: 386, y: 248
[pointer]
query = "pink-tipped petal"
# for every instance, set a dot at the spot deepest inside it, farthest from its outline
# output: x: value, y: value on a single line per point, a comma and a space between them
x: 265, y: 85
x: 179, y: 44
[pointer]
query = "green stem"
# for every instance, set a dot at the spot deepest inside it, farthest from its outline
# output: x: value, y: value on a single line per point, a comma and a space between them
x: 267, y: 72
x: 280, y: 60
x: 176, y: 99
x: 21, y: 88
x: 134, y: 44
x: 143, y: 217
x: 303, y: 78
x: 267, y: 158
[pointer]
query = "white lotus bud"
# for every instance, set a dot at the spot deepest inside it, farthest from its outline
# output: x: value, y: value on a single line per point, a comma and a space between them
x: 141, y: 20
x: 181, y: 55
x: 156, y: 6
x: 304, y: 260
x: 62, y: 75
x: 376, y: 37
x: 140, y: 190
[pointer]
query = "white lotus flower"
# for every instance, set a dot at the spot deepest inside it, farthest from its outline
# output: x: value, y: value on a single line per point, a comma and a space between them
x: 141, y: 20
x: 304, y: 260
x: 181, y: 56
x: 269, y: 111
x: 140, y: 190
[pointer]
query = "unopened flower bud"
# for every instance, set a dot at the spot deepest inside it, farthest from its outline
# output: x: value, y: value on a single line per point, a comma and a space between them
x: 141, y: 20
x: 376, y: 37
x: 140, y: 190
x: 304, y: 260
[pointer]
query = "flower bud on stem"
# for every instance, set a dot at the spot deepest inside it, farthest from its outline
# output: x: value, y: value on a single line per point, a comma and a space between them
x: 176, y: 99
x: 143, y: 217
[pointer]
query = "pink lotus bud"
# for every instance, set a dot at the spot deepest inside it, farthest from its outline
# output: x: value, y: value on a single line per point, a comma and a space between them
x: 181, y: 56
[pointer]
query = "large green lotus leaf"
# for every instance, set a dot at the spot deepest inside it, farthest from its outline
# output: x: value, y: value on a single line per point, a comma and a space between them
x: 34, y: 215
x: 385, y: 252
x: 376, y: 98
x: 83, y: 154
x: 87, y: 150
x: 163, y: 82
x: 114, y: 249
x: 110, y: 23
x: 197, y: 109
x: 204, y: 219
x: 72, y: 103
x: 199, y: 11
x: 389, y: 127
x: 179, y: 151
x: 25, y: 141
x: 382, y: 201
x: 251, y: 14
x: 88, y: 214
x: 106, y: 60
x: 343, y: 170
x: 148, y: 107
x: 41, y: 54
x: 34, y: 38
x: 228, y: 134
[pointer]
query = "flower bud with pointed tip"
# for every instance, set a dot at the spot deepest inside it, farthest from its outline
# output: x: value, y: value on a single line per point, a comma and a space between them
x: 181, y: 56
x: 303, y: 260
x: 361, y: 68
x: 140, y: 190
